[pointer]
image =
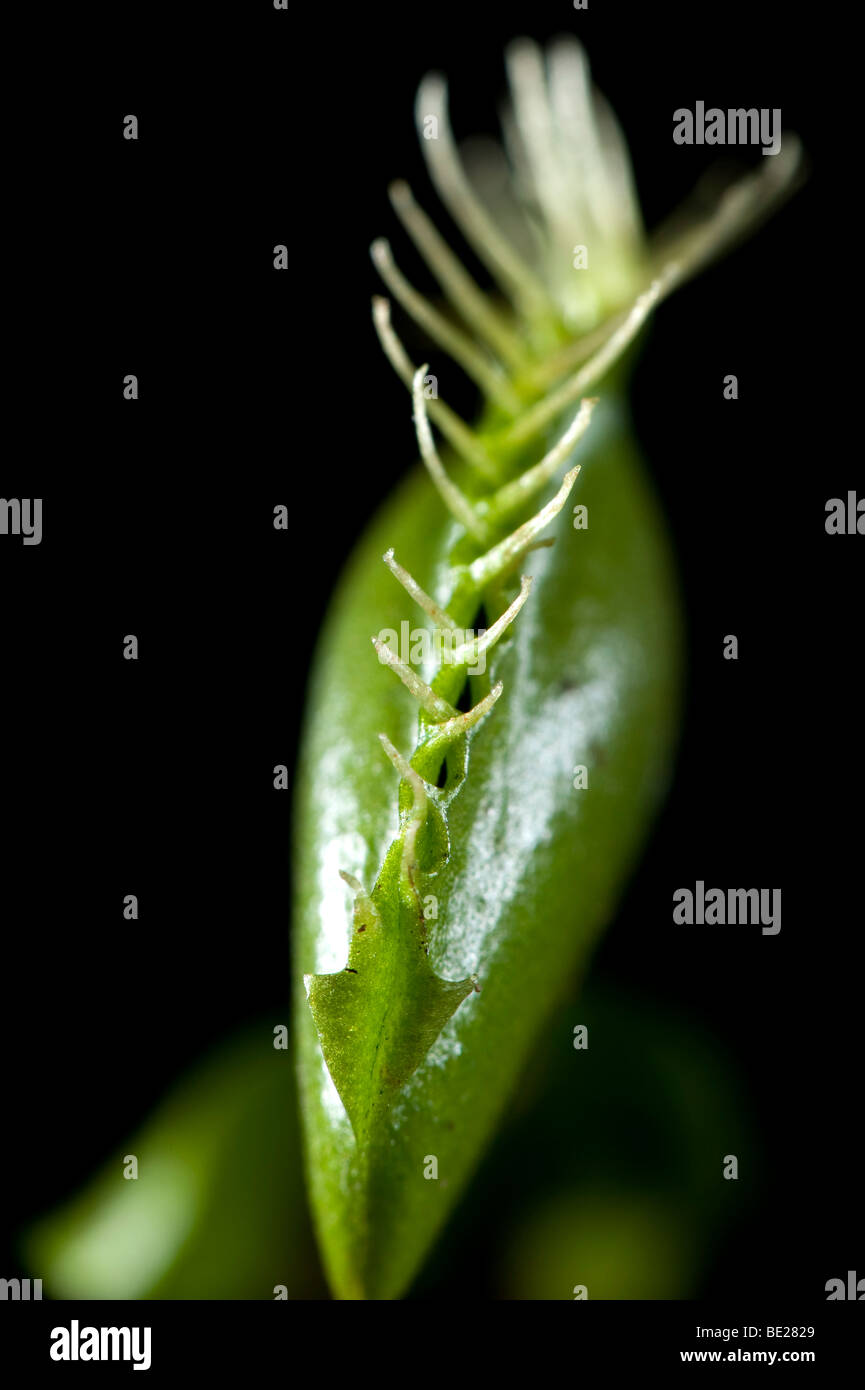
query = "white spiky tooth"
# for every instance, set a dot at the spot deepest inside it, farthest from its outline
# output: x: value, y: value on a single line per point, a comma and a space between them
x: 435, y: 706
x: 416, y: 817
x: 361, y: 897
x: 454, y: 499
x: 485, y: 373
x: 501, y: 558
x: 458, y: 434
x: 469, y: 652
x: 462, y: 291
x: 444, y: 735
x: 514, y: 494
x: 411, y: 586
x: 541, y: 415
x: 740, y: 206
x: 446, y: 171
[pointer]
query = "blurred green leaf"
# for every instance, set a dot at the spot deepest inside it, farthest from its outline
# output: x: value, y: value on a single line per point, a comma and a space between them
x: 218, y: 1209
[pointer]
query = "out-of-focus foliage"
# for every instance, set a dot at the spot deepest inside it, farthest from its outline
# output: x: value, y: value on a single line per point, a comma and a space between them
x: 218, y: 1209
x: 608, y: 1174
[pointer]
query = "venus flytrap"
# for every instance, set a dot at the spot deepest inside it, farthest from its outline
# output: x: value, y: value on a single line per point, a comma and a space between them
x: 480, y: 877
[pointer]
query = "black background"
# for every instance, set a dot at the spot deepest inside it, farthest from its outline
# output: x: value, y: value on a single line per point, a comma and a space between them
x: 259, y: 388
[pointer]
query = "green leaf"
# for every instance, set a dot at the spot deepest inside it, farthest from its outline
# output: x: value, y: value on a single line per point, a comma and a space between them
x: 378, y: 1019
x: 526, y: 780
x: 532, y: 868
x: 218, y: 1208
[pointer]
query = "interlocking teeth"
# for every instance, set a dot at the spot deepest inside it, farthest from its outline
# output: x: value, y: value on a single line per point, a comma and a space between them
x: 486, y: 373
x: 465, y: 296
x: 469, y: 652
x: 443, y: 735
x: 517, y: 279
x: 498, y: 561
x: 524, y: 356
x: 538, y: 417
x: 510, y: 497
